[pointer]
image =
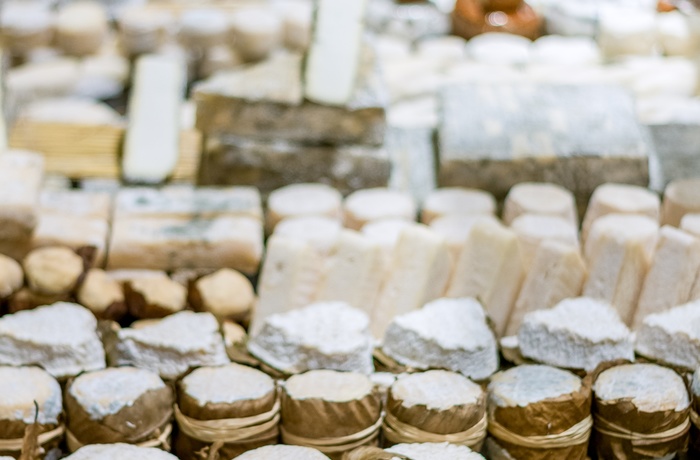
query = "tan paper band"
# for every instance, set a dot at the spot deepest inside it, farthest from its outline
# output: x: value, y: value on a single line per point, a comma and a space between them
x: 160, y: 440
x: 608, y: 428
x: 399, y: 432
x: 334, y: 445
x: 228, y: 430
x: 15, y: 445
x: 695, y: 418
x: 577, y: 434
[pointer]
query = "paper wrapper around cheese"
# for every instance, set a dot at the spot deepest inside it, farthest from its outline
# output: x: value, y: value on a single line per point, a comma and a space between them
x: 261, y: 399
x: 547, y: 416
x: 658, y: 433
x: 333, y: 412
x: 695, y: 420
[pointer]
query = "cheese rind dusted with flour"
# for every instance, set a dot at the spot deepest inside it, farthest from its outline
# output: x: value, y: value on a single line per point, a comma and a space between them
x: 119, y: 451
x: 539, y: 198
x: 281, y: 451
x: 446, y: 333
x: 324, y: 335
x: 671, y: 337
x: 30, y: 337
x: 435, y: 451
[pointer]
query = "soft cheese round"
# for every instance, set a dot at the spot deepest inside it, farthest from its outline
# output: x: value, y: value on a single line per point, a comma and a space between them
x: 456, y: 228
x: 11, y: 276
x: 20, y: 387
x: 226, y: 292
x: 539, y: 198
x: 436, y: 389
x: 371, y: 204
x: 227, y: 384
x: 279, y: 452
x: 329, y: 385
x: 651, y: 388
x: 320, y: 232
x: 305, y: 200
x: 435, y: 451
x: 457, y: 200
x: 119, y: 452
x: 38, y: 326
x: 52, y: 270
x: 527, y: 384
x: 108, y: 391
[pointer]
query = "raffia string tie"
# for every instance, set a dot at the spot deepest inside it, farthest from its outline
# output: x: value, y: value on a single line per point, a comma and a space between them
x: 161, y: 439
x: 577, y: 434
x: 399, y: 432
x: 695, y: 418
x: 15, y: 445
x: 608, y: 428
x: 334, y: 445
x: 228, y: 430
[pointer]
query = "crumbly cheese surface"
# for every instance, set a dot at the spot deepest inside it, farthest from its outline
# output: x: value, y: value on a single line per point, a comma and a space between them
x: 329, y: 385
x: 215, y: 384
x: 436, y: 390
x: 21, y: 386
x: 527, y: 384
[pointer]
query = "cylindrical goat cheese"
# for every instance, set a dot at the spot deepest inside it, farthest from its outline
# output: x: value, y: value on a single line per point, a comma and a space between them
x: 143, y: 30
x: 626, y: 31
x: 373, y: 204
x: 119, y: 451
x: 299, y: 200
x: 539, y: 198
x: 681, y: 197
x: 81, y: 27
x: 640, y: 411
x: 25, y: 26
x: 23, y: 391
x: 539, y: 412
x: 255, y: 32
x: 202, y: 28
x: 534, y: 229
x: 281, y: 451
x: 121, y: 404
x: 53, y: 270
x: 331, y: 411
x: 320, y: 232
x: 456, y: 201
x: 227, y: 410
x: 435, y: 406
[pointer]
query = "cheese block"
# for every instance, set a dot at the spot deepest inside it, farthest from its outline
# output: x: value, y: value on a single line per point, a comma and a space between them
x: 558, y: 272
x: 206, y: 397
x: 670, y: 337
x: 11, y: 276
x: 170, y: 243
x: 296, y: 25
x: 299, y: 200
x: 644, y: 401
x: 125, y: 275
x: 73, y: 232
x: 499, y: 49
x: 282, y: 451
x: 102, y: 295
x: 154, y: 297
x: 418, y: 273
x: 333, y: 60
x: 255, y: 32
x: 677, y: 34
x: 562, y: 402
x: 681, y: 197
x: 226, y: 294
x: 636, y: 34
x: 447, y: 334
x: 577, y: 333
x: 618, y: 256
x: 151, y: 143
x: 122, y: 404
x: 77, y: 203
x: 202, y: 28
x: 540, y: 199
x: 321, y: 232
x: 266, y: 101
x: 31, y: 337
x: 53, y: 270
x: 669, y: 281
x: 353, y: 273
x: 288, y: 279
x: 81, y: 27
x: 20, y: 389
x: 489, y: 137
x: 456, y: 201
x: 620, y: 199
x: 119, y: 451
x: 489, y: 268
x: 534, y: 229
x: 331, y: 411
x: 143, y: 30
x: 563, y: 50
x: 418, y: 112
x: 690, y: 223
x: 448, y: 49
x: 25, y: 26
x: 323, y: 335
x: 436, y: 406
x: 456, y: 228
x: 172, y: 345
x: 367, y: 205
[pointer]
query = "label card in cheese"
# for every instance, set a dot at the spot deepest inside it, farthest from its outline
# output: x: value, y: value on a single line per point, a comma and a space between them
x: 151, y: 145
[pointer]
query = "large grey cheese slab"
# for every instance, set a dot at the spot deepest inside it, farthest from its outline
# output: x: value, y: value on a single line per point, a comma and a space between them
x: 270, y: 165
x: 677, y: 153
x: 492, y: 137
x: 265, y: 101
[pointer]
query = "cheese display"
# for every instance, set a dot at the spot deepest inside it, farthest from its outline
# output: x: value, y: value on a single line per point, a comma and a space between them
x: 331, y: 411
x: 124, y: 404
x: 154, y: 297
x: 172, y: 345
x: 32, y: 338
x: 446, y: 334
x: 29, y: 395
x: 302, y: 200
x: 577, y: 333
x: 102, y: 295
x: 640, y: 410
x: 281, y: 451
x: 534, y: 229
x: 538, y: 198
x: 226, y: 294
x: 681, y: 197
x: 537, y: 411
x: 456, y: 200
x: 368, y: 205
x: 435, y: 407
x: 219, y: 418
x: 324, y: 335
x: 118, y: 451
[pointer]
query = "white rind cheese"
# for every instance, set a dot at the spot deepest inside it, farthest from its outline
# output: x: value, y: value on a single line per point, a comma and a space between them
x: 368, y: 205
x: 436, y: 390
x: 533, y: 229
x: 213, y: 384
x: 20, y: 387
x: 455, y: 228
x: 456, y: 201
x: 322, y: 233
x: 435, y: 451
x: 681, y: 197
x: 625, y: 227
x: 119, y: 452
x: 672, y: 336
x: 539, y: 198
x: 299, y: 200
x: 527, y: 384
x: 280, y: 451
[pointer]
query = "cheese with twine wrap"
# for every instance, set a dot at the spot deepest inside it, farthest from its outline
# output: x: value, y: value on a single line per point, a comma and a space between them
x: 225, y: 411
x: 119, y: 405
x: 330, y: 411
x: 641, y: 411
x: 540, y: 413
x: 694, y: 411
x: 29, y: 394
x: 435, y: 406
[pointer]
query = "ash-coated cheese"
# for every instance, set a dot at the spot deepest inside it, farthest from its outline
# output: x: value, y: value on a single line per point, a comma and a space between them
x: 21, y: 387
x: 534, y: 229
x: 542, y: 199
x: 681, y: 197
x: 434, y: 451
x: 324, y: 335
x: 368, y: 205
x: 81, y: 27
x: 321, y: 232
x: 31, y: 337
x: 119, y: 451
x: 281, y: 451
x: 578, y: 333
x: 672, y: 336
x: 456, y: 201
x: 172, y: 345
x: 255, y: 32
x: 299, y: 200
x: 446, y: 333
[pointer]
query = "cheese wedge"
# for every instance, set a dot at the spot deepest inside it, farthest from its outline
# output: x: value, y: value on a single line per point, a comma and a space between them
x: 456, y: 200
x: 368, y: 205
x: 671, y: 337
x: 302, y: 200
x: 540, y: 198
x: 628, y: 227
x: 681, y: 197
x: 534, y: 229
x: 455, y: 228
